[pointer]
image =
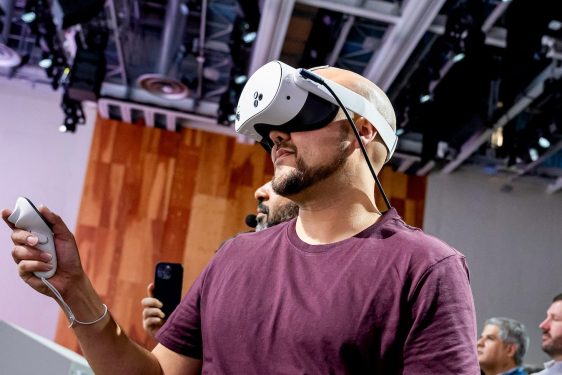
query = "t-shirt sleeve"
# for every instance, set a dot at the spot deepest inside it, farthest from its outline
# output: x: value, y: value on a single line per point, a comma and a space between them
x: 442, y: 339
x: 182, y: 331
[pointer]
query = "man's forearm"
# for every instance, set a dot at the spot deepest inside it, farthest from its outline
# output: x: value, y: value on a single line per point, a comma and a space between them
x: 104, y: 344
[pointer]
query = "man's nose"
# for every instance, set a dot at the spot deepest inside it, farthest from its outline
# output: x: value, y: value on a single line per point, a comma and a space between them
x: 544, y: 325
x: 261, y: 194
x: 278, y: 136
x: 480, y: 342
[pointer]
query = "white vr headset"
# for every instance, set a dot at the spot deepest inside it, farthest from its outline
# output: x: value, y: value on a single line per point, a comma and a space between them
x: 278, y: 96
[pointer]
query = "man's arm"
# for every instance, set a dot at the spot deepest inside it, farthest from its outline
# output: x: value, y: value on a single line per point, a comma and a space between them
x: 442, y: 339
x: 106, y: 347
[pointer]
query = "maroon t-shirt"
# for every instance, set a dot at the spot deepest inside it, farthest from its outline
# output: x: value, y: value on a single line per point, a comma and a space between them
x: 389, y: 300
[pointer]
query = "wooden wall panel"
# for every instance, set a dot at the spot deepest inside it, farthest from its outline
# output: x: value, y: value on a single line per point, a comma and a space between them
x: 152, y: 195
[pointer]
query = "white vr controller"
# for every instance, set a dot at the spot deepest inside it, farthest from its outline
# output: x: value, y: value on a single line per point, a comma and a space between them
x: 26, y: 216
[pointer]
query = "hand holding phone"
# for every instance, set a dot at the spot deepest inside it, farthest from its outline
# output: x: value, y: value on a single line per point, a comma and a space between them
x: 168, y: 280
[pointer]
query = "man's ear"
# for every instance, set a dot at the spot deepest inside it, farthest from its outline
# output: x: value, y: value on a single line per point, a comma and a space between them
x: 511, y: 349
x: 366, y: 130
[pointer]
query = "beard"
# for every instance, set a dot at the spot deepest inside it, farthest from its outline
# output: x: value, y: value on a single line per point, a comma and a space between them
x: 281, y: 214
x: 553, y: 347
x: 304, y: 176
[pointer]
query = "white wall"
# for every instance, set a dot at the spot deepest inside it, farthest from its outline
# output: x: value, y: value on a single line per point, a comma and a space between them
x: 46, y: 166
x: 512, y: 241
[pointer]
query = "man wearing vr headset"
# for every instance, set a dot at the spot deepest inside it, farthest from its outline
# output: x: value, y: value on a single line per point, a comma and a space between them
x: 343, y: 288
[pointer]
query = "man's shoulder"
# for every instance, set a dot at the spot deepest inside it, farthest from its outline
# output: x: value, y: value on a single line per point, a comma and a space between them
x: 254, y: 240
x: 414, y: 243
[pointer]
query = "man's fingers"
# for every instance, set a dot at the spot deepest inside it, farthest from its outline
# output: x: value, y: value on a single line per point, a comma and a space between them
x: 151, y: 302
x: 153, y: 323
x: 23, y: 237
x: 27, y: 266
x: 20, y: 253
x: 6, y: 212
x: 149, y: 313
x: 150, y: 290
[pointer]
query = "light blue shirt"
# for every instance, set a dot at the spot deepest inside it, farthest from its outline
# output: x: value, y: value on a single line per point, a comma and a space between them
x: 551, y: 368
x: 515, y: 371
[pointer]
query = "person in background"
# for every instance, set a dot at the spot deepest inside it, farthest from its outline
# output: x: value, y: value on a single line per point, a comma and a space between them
x: 502, y: 347
x: 272, y: 209
x: 552, y: 337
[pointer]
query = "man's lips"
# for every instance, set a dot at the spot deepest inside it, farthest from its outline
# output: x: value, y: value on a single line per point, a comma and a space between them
x: 281, y: 153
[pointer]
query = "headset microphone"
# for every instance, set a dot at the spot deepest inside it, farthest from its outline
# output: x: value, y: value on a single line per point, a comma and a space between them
x: 251, y: 221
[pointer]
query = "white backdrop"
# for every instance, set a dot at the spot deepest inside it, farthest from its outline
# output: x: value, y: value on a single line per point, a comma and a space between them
x: 46, y: 166
x: 512, y: 241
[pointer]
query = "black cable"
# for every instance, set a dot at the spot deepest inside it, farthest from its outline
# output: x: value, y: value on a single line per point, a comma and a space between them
x: 315, y: 78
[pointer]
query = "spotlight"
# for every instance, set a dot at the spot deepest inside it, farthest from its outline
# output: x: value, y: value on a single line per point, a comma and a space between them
x: 497, y: 138
x: 240, y: 79
x: 46, y: 62
x: 399, y: 131
x: 249, y: 37
x: 67, y: 128
x: 425, y: 98
x: 544, y: 143
x: 73, y: 114
x: 458, y: 57
x: 555, y: 25
x: 29, y: 17
x: 533, y: 154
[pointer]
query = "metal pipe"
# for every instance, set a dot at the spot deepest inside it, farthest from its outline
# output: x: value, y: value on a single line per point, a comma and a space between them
x: 9, y: 10
x: 118, y: 45
x: 201, y: 57
x: 169, y: 45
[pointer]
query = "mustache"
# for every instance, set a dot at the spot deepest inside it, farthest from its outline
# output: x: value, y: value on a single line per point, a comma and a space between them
x: 285, y: 144
x: 262, y: 208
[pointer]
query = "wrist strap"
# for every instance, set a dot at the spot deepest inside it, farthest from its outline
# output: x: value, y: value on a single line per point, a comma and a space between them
x: 69, y: 312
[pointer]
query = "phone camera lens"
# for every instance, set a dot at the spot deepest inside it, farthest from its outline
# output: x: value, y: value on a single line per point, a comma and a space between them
x: 165, y: 272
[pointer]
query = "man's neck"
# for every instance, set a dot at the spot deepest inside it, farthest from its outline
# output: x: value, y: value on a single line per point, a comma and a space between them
x: 333, y: 214
x: 500, y: 369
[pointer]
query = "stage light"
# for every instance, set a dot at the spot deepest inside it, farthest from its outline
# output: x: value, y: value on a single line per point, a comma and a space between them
x: 425, y: 98
x: 73, y: 114
x: 249, y: 37
x: 67, y: 129
x: 497, y: 138
x: 543, y: 142
x: 399, y: 131
x: 46, y: 62
x: 555, y: 25
x: 29, y: 17
x: 458, y: 57
x: 533, y: 154
x: 240, y: 79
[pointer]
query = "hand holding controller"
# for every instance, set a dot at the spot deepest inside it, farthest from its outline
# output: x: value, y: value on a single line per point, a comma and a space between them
x: 26, y: 216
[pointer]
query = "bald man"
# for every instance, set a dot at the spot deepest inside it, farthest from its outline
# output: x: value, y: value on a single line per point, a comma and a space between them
x: 343, y: 288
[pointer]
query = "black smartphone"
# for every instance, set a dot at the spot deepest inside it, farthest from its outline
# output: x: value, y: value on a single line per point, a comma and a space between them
x: 168, y: 280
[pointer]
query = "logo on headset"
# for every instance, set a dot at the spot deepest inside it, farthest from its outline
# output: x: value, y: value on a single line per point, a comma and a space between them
x: 258, y: 96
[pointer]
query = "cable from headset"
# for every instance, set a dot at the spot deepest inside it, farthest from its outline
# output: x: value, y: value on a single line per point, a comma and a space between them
x: 313, y: 77
x: 67, y: 309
